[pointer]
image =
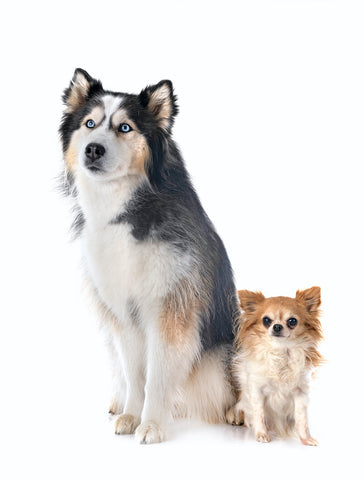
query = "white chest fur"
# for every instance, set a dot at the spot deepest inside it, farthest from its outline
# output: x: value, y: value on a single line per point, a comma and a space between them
x: 120, y: 266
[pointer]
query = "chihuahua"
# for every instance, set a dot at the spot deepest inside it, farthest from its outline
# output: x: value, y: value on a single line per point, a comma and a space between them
x: 277, y: 350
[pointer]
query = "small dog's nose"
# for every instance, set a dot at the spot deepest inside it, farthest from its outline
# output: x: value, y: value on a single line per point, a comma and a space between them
x: 94, y: 151
x: 277, y: 328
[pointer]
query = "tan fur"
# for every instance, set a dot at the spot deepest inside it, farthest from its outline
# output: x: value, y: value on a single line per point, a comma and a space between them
x: 273, y: 371
x: 160, y: 105
x: 135, y: 141
x: 78, y: 92
x: 180, y: 314
x: 251, y: 330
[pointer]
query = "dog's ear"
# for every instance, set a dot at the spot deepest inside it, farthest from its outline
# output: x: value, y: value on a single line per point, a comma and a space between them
x: 160, y: 100
x: 82, y: 87
x: 311, y: 298
x: 250, y: 300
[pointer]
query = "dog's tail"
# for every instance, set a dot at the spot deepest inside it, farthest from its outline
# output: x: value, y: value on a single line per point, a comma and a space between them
x: 208, y: 392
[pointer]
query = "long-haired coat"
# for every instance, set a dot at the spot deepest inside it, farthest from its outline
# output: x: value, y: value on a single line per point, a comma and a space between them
x: 158, y: 270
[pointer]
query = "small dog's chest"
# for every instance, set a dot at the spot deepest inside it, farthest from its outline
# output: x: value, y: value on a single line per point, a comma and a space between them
x: 281, y: 371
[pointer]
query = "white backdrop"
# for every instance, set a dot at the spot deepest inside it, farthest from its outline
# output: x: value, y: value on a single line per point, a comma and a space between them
x: 271, y: 127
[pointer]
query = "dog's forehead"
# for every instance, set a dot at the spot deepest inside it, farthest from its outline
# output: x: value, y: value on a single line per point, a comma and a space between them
x: 112, y: 103
x: 281, y: 308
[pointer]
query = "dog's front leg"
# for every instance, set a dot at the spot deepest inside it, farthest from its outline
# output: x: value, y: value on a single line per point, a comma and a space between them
x: 300, y: 413
x: 171, y: 353
x: 258, y: 416
x: 133, y: 359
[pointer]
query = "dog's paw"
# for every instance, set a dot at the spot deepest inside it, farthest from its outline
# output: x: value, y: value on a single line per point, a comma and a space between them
x: 263, y: 437
x: 149, y: 432
x: 309, y: 441
x: 235, y: 417
x: 126, y: 424
x: 116, y: 408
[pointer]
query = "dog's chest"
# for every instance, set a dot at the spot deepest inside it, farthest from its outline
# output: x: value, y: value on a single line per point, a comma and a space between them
x: 122, y: 267
x: 281, y: 370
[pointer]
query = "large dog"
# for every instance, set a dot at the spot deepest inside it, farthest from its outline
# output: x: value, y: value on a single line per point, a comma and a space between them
x: 158, y: 269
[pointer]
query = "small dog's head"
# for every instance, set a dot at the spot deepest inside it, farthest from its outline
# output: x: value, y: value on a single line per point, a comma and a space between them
x: 108, y: 135
x: 281, y: 319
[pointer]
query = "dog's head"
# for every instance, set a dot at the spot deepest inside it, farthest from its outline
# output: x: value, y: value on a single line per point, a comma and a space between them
x: 108, y: 135
x: 281, y: 321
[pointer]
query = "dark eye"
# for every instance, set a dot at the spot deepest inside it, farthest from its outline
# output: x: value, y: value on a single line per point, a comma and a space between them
x: 124, y: 127
x: 292, y: 322
x: 266, y: 321
x: 90, y: 124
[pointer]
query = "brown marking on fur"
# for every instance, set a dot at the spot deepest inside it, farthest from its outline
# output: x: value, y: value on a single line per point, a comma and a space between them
x: 180, y: 314
x: 141, y: 155
x: 73, y: 150
x: 135, y: 141
x: 70, y: 157
x: 305, y: 307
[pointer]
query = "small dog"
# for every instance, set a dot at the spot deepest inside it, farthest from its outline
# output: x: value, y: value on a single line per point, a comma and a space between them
x: 276, y: 351
x: 158, y: 270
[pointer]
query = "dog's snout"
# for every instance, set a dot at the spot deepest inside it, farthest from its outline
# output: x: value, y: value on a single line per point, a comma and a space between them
x: 94, y: 151
x: 277, y: 328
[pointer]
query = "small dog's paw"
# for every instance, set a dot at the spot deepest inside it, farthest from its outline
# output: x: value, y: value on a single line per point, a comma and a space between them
x: 149, y: 432
x: 115, y: 407
x: 126, y: 424
x: 235, y: 417
x: 263, y: 437
x: 309, y: 441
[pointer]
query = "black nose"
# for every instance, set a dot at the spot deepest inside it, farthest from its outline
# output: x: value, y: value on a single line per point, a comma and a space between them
x: 94, y: 151
x: 277, y: 328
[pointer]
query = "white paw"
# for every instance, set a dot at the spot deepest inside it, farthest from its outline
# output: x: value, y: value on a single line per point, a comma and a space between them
x: 116, y: 408
x: 149, y: 432
x: 309, y: 441
x: 126, y: 424
x: 235, y: 417
x: 263, y: 437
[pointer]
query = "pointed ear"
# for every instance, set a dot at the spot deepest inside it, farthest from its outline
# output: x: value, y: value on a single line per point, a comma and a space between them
x: 250, y: 300
x: 161, y: 102
x: 82, y: 86
x: 311, y: 298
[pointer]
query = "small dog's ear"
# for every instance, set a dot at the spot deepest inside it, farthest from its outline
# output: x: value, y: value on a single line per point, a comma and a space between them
x: 82, y: 86
x: 160, y: 100
x: 311, y: 298
x: 250, y: 300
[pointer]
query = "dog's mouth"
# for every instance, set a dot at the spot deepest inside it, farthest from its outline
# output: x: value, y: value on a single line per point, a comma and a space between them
x: 94, y: 167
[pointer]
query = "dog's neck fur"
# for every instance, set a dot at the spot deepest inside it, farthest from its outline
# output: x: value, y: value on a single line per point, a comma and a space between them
x: 101, y: 201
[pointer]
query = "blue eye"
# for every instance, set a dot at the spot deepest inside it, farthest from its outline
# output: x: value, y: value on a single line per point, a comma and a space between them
x: 267, y: 321
x: 292, y: 322
x: 90, y: 124
x: 124, y: 127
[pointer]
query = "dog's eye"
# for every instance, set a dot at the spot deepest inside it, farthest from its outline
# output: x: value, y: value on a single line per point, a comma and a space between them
x: 292, y: 322
x: 266, y: 321
x: 90, y: 124
x: 124, y: 127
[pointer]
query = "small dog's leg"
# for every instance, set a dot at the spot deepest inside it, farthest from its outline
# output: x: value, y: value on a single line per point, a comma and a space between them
x: 301, y: 420
x: 133, y: 361
x: 258, y: 419
x: 235, y: 415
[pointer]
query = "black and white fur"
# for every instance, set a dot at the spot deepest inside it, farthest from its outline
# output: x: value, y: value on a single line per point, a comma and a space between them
x: 157, y: 268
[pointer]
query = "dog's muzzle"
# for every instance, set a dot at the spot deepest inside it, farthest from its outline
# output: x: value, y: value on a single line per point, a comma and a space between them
x: 94, y: 153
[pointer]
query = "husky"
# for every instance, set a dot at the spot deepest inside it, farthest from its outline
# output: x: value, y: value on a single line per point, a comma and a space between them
x: 158, y: 271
